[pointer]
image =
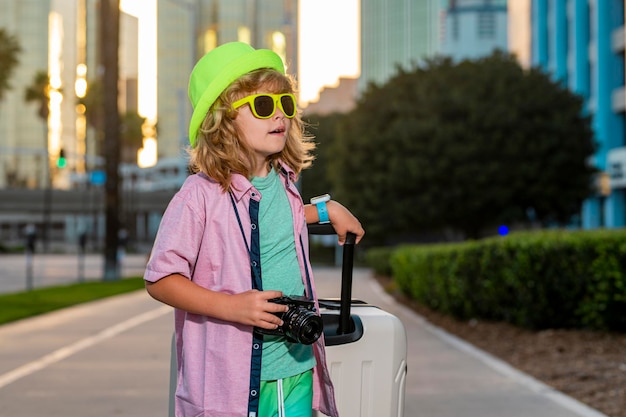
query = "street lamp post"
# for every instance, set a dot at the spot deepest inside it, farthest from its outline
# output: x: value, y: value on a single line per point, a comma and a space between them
x: 604, y: 192
x: 109, y: 38
x: 47, y: 195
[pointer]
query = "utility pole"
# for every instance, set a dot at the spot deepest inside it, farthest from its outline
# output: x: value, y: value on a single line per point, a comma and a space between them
x: 109, y: 45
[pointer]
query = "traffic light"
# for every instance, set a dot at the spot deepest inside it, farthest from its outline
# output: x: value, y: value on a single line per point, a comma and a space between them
x: 61, y: 161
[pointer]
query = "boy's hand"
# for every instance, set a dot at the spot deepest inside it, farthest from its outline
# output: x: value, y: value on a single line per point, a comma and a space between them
x: 344, y: 221
x: 254, y: 308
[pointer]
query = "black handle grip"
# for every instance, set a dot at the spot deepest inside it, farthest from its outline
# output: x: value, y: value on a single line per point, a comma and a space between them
x: 345, y: 324
x: 321, y: 229
x: 328, y: 229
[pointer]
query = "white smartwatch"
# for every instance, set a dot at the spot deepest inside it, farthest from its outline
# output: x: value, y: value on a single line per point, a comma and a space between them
x: 320, y: 204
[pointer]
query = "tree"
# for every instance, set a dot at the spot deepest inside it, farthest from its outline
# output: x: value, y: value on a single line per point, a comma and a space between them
x: 9, y: 50
x: 463, y: 147
x: 315, y: 180
x: 39, y: 92
x: 93, y: 103
x: 131, y: 123
x: 131, y: 135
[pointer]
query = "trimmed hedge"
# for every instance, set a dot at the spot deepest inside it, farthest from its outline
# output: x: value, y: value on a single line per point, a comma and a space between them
x: 537, y: 280
x: 379, y: 260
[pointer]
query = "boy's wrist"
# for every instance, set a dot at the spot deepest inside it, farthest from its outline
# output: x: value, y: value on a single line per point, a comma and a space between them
x: 322, y: 210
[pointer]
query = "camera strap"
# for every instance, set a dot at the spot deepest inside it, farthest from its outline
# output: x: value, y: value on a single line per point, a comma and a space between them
x: 257, y: 339
x: 309, y: 287
x: 255, y: 258
x: 256, y: 267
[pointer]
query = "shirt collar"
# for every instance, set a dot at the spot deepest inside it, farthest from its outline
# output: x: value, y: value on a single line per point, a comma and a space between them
x: 240, y: 185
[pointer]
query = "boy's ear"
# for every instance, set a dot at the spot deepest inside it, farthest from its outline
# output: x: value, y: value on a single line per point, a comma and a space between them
x: 232, y: 113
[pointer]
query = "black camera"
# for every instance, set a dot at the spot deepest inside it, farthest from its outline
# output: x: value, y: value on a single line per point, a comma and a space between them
x: 300, y: 323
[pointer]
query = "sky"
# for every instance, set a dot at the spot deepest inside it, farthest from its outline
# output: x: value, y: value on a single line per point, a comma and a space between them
x: 145, y: 11
x: 328, y: 46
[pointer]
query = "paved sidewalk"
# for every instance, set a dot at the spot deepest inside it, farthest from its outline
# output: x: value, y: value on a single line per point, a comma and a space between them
x: 56, y: 269
x: 112, y: 357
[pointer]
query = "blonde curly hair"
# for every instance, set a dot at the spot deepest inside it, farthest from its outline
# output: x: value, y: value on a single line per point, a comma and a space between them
x: 220, y: 150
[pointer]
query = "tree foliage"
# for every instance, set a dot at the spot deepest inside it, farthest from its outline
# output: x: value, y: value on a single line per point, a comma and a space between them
x: 39, y: 93
x: 463, y: 147
x: 93, y: 103
x: 131, y: 134
x: 9, y: 51
x: 315, y: 181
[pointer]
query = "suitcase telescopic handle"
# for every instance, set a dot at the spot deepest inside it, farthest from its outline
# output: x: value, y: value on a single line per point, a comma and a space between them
x: 345, y: 324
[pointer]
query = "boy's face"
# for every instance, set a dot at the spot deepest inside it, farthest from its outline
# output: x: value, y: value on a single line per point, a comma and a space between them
x: 265, y: 136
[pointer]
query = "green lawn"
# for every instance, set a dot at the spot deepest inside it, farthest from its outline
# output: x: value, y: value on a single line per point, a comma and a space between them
x: 18, y: 306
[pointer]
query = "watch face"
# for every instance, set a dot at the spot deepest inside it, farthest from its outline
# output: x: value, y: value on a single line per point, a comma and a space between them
x: 320, y: 199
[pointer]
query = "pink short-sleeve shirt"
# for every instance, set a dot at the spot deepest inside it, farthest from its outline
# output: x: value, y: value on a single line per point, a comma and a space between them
x: 200, y: 238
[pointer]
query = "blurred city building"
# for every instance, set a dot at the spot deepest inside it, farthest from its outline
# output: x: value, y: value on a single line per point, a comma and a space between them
x: 22, y: 133
x: 519, y: 31
x: 339, y: 99
x: 58, y: 38
x: 581, y: 44
x: 61, y: 39
x: 397, y: 33
x: 40, y: 156
x: 401, y: 33
x: 474, y: 28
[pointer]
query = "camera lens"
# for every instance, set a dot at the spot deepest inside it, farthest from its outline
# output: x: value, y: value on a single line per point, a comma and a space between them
x: 303, y: 325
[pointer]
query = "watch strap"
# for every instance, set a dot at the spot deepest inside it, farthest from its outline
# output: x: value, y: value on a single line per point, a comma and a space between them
x: 322, y: 212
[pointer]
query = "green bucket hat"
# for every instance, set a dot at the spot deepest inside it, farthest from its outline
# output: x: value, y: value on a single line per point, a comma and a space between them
x: 216, y: 70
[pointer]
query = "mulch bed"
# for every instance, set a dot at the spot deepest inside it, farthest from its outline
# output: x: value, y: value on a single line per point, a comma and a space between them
x: 588, y: 366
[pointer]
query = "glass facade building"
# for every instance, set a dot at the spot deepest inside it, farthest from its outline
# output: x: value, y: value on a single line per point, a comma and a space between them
x: 401, y: 33
x: 396, y: 33
x: 58, y: 38
x: 474, y: 28
x: 581, y: 44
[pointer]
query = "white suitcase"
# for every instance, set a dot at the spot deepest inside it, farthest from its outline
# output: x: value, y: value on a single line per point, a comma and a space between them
x: 366, y: 350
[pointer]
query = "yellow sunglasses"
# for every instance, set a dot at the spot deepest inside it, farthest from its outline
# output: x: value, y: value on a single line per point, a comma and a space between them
x: 264, y: 105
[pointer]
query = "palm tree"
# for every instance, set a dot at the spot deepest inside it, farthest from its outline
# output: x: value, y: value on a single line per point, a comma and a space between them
x: 39, y: 92
x: 131, y: 134
x: 9, y: 49
x: 93, y: 102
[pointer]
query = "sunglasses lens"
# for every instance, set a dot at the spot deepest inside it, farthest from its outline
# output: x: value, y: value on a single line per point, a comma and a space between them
x: 264, y: 106
x: 289, y: 107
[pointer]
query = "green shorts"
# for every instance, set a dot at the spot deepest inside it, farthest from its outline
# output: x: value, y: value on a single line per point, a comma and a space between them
x: 289, y: 397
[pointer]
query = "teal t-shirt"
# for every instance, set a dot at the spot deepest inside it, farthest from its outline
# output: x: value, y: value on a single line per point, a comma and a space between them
x: 280, y: 271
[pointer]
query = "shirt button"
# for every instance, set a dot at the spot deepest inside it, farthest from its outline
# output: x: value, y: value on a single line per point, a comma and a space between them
x: 255, y: 346
x: 253, y: 393
x: 253, y: 226
x: 253, y: 194
x: 253, y: 263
